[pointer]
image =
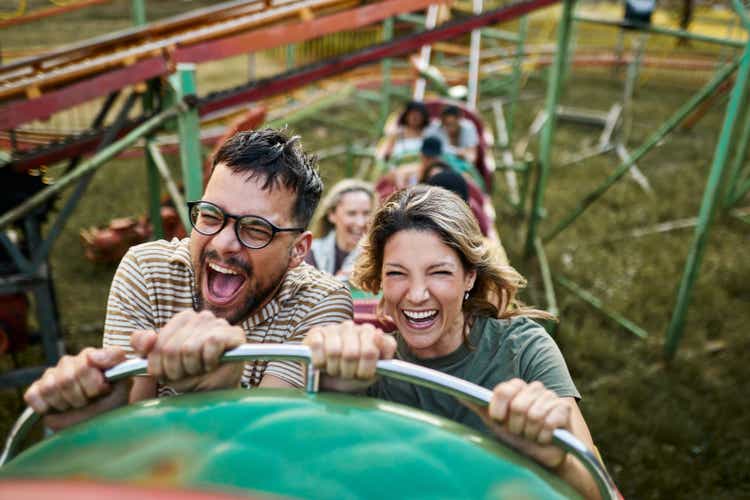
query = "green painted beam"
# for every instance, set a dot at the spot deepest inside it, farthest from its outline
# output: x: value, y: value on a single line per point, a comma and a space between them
x: 650, y: 28
x: 188, y: 129
x: 160, y: 164
x: 548, y: 133
x: 593, y: 301
x: 650, y: 143
x: 515, y: 91
x: 549, y: 287
x: 386, y: 65
x: 708, y: 205
x: 310, y: 110
x: 138, y: 12
x: 91, y: 164
x: 742, y: 12
x: 735, y: 191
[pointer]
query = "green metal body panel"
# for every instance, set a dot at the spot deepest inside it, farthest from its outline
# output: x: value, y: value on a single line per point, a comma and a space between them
x: 287, y: 443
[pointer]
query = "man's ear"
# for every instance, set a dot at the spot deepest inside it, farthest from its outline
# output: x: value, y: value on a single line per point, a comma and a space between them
x: 299, y: 249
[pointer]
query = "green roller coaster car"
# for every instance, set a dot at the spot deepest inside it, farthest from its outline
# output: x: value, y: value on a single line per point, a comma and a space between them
x: 283, y: 443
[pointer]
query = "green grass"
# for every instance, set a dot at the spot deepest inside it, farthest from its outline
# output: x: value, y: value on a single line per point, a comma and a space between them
x: 665, y: 430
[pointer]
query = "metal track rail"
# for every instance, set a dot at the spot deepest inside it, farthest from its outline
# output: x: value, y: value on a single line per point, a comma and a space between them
x: 30, y: 79
x: 285, y: 82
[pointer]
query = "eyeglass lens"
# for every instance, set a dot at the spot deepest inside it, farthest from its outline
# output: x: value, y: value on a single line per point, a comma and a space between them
x: 252, y: 231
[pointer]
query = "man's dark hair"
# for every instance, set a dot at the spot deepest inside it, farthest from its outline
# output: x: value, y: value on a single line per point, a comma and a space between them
x: 451, y: 181
x: 278, y: 158
x: 451, y: 110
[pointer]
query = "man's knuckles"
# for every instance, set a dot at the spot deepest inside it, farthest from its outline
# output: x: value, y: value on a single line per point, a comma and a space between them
x: 350, y: 352
x: 519, y: 406
x: 370, y: 353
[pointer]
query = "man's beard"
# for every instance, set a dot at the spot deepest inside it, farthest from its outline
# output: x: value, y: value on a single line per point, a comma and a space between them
x: 255, y: 295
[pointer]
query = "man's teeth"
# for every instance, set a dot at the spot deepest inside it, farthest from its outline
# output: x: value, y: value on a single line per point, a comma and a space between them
x: 220, y: 269
x: 417, y: 315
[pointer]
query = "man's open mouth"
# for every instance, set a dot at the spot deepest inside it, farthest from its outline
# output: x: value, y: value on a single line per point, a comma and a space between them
x: 223, y: 283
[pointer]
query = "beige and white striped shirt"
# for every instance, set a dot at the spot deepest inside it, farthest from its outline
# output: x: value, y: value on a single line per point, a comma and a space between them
x: 155, y: 281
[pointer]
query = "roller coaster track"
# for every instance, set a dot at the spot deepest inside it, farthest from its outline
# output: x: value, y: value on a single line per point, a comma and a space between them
x: 22, y: 15
x: 272, y: 36
x: 127, y: 50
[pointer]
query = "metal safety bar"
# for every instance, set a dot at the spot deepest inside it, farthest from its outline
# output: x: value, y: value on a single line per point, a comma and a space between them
x: 415, y: 374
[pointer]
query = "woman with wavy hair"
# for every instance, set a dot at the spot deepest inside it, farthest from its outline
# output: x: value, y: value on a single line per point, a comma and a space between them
x: 453, y: 303
x: 339, y: 224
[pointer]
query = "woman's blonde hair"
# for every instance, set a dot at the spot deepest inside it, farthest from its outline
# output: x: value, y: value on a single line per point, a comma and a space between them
x: 431, y: 208
x: 321, y: 226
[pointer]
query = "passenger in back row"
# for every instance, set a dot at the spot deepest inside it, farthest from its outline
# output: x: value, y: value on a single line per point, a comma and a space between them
x: 459, y: 135
x: 339, y: 224
x: 238, y: 278
x: 406, y: 139
x: 454, y: 306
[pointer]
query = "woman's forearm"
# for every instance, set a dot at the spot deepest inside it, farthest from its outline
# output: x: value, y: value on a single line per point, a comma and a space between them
x: 574, y: 473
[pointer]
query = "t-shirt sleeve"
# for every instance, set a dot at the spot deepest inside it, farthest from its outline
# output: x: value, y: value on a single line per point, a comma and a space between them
x: 540, y: 359
x: 469, y: 136
x: 128, y: 306
x: 334, y: 308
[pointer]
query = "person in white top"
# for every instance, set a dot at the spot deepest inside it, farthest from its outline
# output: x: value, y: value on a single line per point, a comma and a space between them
x: 459, y: 134
x: 406, y: 139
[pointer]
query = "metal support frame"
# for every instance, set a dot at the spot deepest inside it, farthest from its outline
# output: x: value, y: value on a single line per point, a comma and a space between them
x: 152, y: 171
x: 188, y: 127
x: 160, y: 165
x: 90, y: 165
x: 34, y: 272
x: 476, y: 47
x: 548, y: 133
x: 594, y: 302
x: 279, y: 84
x: 708, y: 205
x: 386, y: 66
x: 425, y: 52
x: 549, y: 288
x: 650, y: 28
x: 515, y: 92
x: 722, y: 155
x: 667, y: 127
x: 737, y: 187
x: 138, y: 13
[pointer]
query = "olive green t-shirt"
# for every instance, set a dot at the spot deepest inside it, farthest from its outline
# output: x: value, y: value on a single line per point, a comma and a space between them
x: 500, y: 349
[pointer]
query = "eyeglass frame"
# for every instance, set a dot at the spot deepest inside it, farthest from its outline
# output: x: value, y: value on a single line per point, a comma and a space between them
x: 226, y: 216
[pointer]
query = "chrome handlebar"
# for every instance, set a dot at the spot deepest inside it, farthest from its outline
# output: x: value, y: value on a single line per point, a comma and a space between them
x: 407, y: 372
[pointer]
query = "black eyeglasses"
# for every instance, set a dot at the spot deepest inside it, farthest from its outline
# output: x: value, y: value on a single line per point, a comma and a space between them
x: 252, y: 231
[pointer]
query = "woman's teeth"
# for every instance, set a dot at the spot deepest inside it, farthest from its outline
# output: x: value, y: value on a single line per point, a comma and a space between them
x: 420, y: 315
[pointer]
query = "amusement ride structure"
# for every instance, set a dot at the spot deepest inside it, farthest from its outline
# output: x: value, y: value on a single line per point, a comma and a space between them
x: 144, y: 81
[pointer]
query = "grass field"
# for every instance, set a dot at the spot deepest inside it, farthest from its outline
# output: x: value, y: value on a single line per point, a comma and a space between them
x: 665, y: 430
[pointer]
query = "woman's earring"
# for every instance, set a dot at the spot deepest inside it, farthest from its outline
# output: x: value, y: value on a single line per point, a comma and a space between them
x: 466, y: 295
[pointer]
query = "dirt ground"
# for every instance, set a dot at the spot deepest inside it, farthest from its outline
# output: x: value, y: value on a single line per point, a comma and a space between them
x: 665, y: 430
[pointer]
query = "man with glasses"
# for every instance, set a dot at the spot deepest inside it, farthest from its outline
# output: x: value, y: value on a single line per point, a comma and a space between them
x: 238, y: 278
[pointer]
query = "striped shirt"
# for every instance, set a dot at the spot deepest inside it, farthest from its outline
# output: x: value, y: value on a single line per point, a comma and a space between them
x: 155, y: 281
